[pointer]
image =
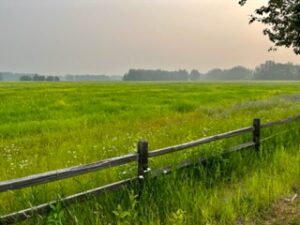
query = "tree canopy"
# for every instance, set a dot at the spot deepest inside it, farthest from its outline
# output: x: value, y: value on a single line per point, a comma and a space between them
x: 282, y: 18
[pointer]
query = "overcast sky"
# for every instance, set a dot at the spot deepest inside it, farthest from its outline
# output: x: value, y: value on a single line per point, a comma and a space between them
x: 111, y: 36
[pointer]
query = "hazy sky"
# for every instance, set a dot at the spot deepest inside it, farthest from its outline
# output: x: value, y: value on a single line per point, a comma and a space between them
x: 111, y: 36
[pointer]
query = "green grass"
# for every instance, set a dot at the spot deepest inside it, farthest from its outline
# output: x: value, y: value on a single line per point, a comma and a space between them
x: 46, y: 126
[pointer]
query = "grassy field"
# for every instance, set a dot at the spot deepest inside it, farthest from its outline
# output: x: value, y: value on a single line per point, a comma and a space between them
x: 46, y: 126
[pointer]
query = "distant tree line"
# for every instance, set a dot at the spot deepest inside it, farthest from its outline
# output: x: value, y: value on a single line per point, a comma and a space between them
x: 235, y: 73
x: 277, y: 71
x: 87, y: 77
x: 155, y: 75
x: 37, y: 77
x: 8, y: 76
x: 269, y: 70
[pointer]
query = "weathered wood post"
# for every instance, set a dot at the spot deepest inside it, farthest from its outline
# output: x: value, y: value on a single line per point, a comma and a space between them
x: 142, y: 149
x: 256, y: 133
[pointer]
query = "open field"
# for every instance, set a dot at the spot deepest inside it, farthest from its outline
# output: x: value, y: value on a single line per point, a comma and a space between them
x: 46, y: 126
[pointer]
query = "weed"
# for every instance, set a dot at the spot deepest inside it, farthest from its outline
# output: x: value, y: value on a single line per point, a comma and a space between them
x: 127, y: 216
x: 176, y: 218
x: 56, y: 215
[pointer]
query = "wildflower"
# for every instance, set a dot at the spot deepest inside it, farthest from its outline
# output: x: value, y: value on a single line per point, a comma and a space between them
x: 147, y: 170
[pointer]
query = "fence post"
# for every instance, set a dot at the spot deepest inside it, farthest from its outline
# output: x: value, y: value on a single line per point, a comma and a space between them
x: 256, y: 133
x: 142, y: 149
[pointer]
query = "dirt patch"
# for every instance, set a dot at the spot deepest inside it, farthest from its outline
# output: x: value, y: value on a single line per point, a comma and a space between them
x: 285, y: 211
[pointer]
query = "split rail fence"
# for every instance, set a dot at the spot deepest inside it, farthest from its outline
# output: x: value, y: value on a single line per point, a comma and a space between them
x: 141, y: 157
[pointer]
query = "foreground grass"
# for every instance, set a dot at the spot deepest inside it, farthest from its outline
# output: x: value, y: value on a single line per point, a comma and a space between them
x: 230, y: 190
x: 51, y: 126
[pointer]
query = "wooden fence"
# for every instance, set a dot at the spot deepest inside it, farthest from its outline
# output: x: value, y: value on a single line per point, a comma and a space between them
x: 141, y: 157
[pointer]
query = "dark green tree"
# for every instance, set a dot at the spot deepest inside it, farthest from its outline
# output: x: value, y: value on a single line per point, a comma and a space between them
x: 282, y: 20
x: 52, y: 78
x: 235, y: 73
x: 25, y: 78
x: 37, y: 77
x: 271, y: 70
x: 155, y: 75
x: 195, y: 75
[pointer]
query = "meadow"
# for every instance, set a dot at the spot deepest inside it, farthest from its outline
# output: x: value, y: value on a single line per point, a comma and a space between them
x: 46, y: 126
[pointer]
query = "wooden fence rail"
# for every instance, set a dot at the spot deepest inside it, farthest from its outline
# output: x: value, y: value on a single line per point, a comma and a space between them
x: 280, y: 122
x: 141, y: 157
x: 200, y: 142
x: 103, y: 164
x: 65, y: 173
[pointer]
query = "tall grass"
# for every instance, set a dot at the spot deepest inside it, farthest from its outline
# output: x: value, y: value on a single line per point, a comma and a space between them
x: 227, y: 190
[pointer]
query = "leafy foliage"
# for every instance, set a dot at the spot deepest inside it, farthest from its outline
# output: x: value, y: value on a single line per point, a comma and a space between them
x: 56, y: 215
x: 283, y: 20
x: 128, y: 216
x: 177, y: 218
